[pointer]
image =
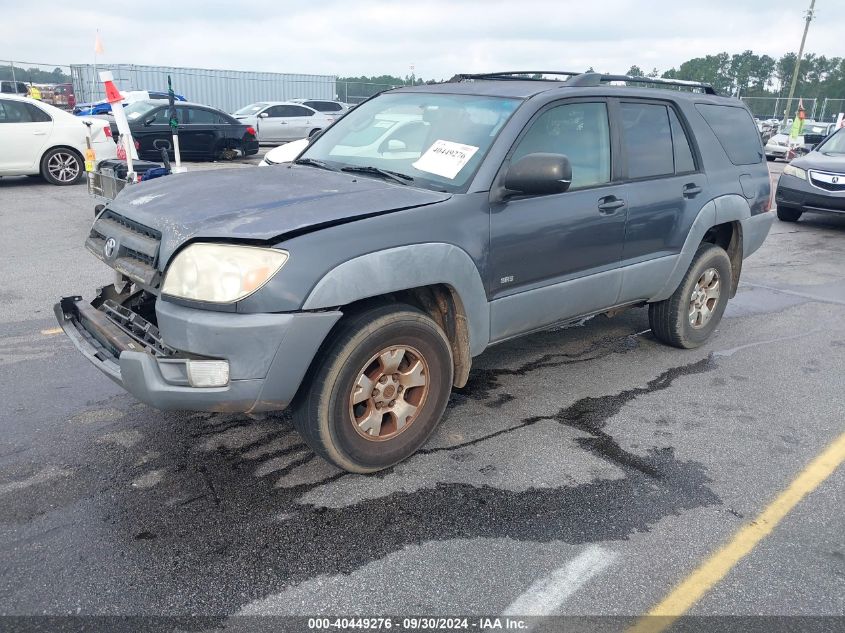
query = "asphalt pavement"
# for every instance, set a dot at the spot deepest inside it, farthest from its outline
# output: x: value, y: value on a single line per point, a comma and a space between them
x: 582, y: 471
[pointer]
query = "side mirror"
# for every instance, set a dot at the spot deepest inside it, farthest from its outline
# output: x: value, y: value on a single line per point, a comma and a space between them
x: 539, y: 174
x: 149, y: 122
x: 263, y: 115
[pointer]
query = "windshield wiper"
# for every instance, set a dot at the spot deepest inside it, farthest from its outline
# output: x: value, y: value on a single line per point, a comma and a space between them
x: 402, y: 179
x: 313, y: 162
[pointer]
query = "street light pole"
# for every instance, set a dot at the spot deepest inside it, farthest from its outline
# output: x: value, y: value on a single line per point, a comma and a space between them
x: 798, y: 61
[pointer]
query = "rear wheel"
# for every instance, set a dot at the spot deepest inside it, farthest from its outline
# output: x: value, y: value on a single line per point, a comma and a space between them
x: 770, y: 158
x: 378, y: 390
x: 689, y: 316
x: 62, y: 166
x: 788, y: 214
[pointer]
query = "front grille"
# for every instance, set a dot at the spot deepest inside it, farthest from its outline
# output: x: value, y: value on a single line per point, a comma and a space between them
x: 827, y: 181
x: 135, y: 249
x: 137, y: 327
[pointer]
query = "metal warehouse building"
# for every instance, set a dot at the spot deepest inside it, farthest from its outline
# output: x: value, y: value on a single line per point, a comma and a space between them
x: 227, y: 90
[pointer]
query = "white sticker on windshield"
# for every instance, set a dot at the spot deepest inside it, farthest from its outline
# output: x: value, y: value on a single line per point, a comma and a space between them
x: 134, y: 115
x: 445, y: 158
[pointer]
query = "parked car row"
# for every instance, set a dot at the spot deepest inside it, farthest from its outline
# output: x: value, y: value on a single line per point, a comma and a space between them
x: 812, y: 134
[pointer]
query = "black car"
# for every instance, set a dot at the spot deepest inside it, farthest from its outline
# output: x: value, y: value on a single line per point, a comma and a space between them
x: 204, y: 132
x: 814, y: 183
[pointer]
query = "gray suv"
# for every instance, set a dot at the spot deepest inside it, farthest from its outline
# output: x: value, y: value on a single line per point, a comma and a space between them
x: 356, y: 284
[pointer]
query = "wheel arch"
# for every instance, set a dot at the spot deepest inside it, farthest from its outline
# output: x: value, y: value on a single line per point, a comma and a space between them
x: 719, y: 222
x: 440, y: 279
x: 60, y: 146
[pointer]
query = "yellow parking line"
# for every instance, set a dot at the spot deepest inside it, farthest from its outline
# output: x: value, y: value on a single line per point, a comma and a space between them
x: 51, y: 331
x: 693, y: 588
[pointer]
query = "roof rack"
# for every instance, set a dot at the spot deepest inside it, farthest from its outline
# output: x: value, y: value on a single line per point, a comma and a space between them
x: 596, y: 79
x: 519, y: 75
x: 587, y: 79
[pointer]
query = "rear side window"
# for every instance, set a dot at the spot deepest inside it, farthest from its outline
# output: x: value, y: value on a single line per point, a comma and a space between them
x: 735, y: 130
x: 202, y: 117
x: 38, y: 115
x: 324, y: 106
x: 648, y: 140
x: 680, y: 143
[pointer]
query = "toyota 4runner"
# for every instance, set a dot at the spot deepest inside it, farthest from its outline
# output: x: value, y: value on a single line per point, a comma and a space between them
x: 357, y: 283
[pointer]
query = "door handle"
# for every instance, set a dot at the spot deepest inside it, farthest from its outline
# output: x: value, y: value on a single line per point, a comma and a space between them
x: 609, y: 205
x: 691, y: 190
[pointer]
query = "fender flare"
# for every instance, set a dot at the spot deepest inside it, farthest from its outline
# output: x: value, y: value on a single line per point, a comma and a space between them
x: 403, y: 268
x: 727, y: 208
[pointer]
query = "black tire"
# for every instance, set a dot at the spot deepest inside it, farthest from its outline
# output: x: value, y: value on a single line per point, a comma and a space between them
x: 770, y: 158
x: 788, y: 214
x: 670, y: 319
x: 324, y: 414
x: 62, y: 166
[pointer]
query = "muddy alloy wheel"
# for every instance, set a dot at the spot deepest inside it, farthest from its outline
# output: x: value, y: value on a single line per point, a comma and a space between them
x: 688, y: 317
x: 61, y: 167
x: 389, y: 392
x: 377, y: 389
x: 705, y: 296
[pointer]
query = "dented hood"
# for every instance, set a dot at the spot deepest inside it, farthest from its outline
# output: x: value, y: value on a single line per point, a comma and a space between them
x: 259, y: 204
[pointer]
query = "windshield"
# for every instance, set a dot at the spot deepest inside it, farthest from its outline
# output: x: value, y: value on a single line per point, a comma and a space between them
x: 138, y: 109
x: 252, y: 108
x: 435, y: 140
x: 835, y: 144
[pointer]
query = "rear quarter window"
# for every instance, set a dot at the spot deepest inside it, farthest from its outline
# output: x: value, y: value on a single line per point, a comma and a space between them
x: 735, y: 130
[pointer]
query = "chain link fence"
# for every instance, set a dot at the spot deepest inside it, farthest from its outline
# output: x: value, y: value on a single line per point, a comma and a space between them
x: 823, y: 109
x: 49, y: 82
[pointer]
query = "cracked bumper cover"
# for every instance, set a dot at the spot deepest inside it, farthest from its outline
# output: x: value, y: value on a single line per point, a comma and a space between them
x: 268, y: 354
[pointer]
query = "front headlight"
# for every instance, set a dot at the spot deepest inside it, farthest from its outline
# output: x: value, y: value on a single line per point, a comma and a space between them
x: 221, y: 273
x: 792, y: 170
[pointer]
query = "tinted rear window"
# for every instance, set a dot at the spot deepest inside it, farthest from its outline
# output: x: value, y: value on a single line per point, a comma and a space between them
x: 735, y: 130
x: 648, y: 140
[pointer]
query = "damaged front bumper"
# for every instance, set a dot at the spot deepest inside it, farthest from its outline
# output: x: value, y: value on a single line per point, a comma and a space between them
x: 267, y: 355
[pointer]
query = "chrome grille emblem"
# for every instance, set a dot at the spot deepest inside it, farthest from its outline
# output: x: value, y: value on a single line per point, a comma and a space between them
x: 109, y: 248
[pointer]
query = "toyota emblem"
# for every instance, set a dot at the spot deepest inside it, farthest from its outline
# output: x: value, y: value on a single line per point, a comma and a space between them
x: 109, y: 248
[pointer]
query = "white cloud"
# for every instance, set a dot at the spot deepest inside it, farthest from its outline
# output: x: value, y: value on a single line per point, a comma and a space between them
x: 438, y: 37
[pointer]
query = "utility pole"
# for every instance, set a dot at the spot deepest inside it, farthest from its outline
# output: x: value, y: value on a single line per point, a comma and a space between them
x: 809, y: 19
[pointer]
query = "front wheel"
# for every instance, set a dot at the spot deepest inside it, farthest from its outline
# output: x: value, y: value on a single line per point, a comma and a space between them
x: 378, y: 390
x: 689, y: 316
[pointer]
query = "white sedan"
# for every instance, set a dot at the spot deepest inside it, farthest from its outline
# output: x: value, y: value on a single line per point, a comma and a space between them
x: 282, y: 121
x: 36, y: 138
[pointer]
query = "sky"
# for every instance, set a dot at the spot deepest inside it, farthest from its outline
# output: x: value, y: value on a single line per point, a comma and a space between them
x: 437, y: 37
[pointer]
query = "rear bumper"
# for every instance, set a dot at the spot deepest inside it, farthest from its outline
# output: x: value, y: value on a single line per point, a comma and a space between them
x: 268, y: 354
x: 754, y: 232
x: 799, y: 194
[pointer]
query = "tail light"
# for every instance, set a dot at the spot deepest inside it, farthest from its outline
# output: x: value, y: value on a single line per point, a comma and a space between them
x: 107, y: 131
x: 251, y: 130
x: 137, y: 144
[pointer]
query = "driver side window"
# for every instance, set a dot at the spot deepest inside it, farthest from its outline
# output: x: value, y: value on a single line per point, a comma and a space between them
x: 578, y: 130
